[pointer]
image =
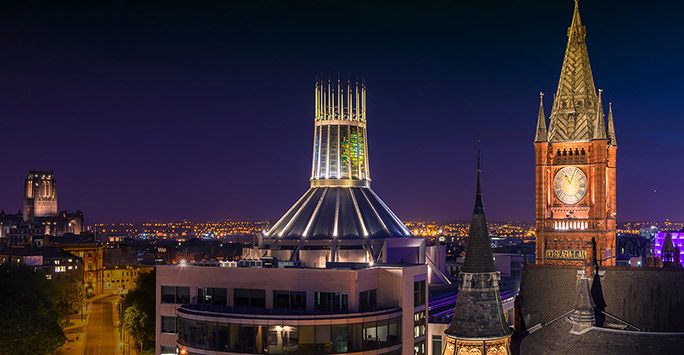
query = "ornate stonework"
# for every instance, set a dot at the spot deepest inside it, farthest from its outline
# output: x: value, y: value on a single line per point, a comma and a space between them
x: 480, y: 347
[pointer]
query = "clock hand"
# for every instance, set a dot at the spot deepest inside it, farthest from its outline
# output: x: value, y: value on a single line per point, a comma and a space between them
x: 573, y: 177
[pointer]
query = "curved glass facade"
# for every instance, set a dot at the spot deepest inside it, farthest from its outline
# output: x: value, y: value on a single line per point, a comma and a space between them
x: 289, y: 339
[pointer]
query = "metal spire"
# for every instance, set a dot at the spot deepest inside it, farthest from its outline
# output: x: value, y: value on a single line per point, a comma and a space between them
x: 611, y: 126
x: 541, y: 121
x: 479, y: 207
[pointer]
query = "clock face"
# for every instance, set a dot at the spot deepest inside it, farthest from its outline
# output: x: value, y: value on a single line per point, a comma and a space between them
x: 570, y: 185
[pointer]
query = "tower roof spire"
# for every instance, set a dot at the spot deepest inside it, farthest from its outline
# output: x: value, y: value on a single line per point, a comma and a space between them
x: 599, y: 125
x: 479, y: 207
x: 541, y: 121
x: 574, y: 108
x: 611, y: 126
x: 479, y: 256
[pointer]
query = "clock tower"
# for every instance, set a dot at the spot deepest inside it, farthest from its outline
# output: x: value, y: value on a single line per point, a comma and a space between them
x: 575, y: 167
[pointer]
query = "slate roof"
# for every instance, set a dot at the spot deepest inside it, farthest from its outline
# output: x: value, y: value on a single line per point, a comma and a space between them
x: 648, y: 298
x: 479, y: 256
x: 555, y: 338
x: 47, y: 252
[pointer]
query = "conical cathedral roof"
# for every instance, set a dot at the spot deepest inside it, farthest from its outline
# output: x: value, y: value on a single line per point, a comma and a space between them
x: 339, y: 212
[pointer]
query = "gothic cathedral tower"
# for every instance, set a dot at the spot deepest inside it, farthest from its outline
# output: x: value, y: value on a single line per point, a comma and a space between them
x: 40, y: 195
x: 575, y: 167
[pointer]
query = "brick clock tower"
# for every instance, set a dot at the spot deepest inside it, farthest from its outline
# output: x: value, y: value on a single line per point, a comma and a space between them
x: 575, y: 167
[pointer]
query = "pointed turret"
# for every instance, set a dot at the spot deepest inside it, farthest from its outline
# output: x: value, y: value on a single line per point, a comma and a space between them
x: 478, y: 322
x: 574, y: 108
x: 599, y: 123
x: 583, y: 316
x: 479, y: 256
x: 541, y: 121
x: 611, y: 126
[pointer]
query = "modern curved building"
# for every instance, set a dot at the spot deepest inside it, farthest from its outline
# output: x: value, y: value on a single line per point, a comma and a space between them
x: 340, y: 218
x: 339, y: 273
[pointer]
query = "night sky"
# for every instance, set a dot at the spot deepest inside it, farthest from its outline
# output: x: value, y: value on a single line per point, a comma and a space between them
x: 203, y: 111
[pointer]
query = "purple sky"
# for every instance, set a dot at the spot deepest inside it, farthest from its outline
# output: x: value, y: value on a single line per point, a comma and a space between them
x: 205, y: 111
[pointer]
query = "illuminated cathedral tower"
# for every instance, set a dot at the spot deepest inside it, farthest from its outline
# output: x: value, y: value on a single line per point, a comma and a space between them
x: 339, y: 219
x: 575, y: 167
x: 478, y: 325
x: 340, y: 152
x: 40, y: 195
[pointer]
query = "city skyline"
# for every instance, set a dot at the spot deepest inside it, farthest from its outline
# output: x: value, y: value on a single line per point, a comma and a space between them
x: 166, y: 117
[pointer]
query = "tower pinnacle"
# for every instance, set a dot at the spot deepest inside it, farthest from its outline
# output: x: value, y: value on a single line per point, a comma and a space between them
x: 599, y: 127
x: 611, y: 126
x: 541, y: 121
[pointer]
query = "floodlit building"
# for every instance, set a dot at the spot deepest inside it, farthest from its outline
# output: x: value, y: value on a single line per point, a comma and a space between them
x: 338, y: 273
x: 92, y: 256
x: 40, y: 215
x: 122, y: 279
x: 575, y: 166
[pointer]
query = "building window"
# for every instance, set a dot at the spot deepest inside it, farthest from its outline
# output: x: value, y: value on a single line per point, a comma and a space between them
x: 289, y: 299
x: 368, y: 300
x: 419, y: 348
x: 436, y: 345
x: 249, y: 298
x: 168, y: 350
x: 211, y: 295
x: 168, y: 324
x: 175, y: 294
x: 331, y: 301
x: 418, y: 293
x: 419, y: 324
x: 289, y: 338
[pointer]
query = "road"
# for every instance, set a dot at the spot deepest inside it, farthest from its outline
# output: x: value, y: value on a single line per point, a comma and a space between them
x: 100, y: 335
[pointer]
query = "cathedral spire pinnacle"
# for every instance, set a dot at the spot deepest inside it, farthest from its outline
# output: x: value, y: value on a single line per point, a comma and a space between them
x: 611, y: 126
x: 599, y: 124
x: 541, y: 121
x: 574, y: 108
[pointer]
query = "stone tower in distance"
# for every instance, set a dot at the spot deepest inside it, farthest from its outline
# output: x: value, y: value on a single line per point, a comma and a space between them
x: 575, y: 167
x: 40, y: 195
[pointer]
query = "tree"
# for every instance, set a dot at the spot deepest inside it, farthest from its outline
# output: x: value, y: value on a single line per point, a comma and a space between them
x: 134, y: 323
x: 29, y: 323
x: 139, y: 306
x: 70, y: 297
